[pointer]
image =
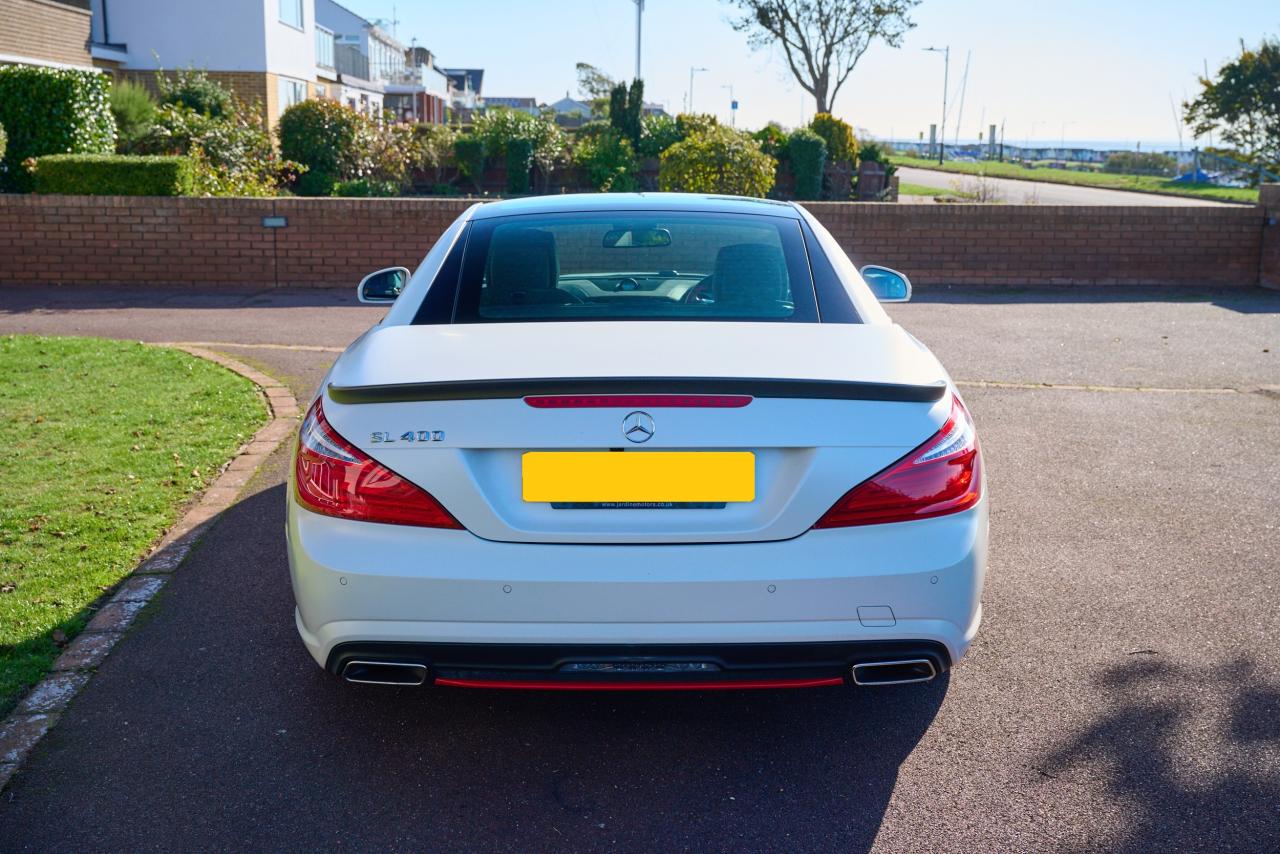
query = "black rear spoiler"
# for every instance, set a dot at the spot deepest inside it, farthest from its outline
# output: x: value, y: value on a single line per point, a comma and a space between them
x: 515, y: 389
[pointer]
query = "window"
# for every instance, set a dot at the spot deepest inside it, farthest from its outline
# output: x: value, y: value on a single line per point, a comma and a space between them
x: 291, y: 92
x: 631, y: 265
x: 291, y: 13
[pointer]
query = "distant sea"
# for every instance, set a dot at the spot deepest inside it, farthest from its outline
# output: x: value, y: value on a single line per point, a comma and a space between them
x: 1096, y: 144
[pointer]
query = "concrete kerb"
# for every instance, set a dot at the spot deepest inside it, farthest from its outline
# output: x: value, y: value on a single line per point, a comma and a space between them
x: 40, y: 708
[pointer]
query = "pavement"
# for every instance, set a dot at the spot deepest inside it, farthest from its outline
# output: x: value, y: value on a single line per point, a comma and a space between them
x: 1015, y: 191
x: 1123, y: 694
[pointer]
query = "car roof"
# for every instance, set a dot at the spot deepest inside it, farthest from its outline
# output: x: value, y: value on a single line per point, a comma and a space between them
x: 591, y: 202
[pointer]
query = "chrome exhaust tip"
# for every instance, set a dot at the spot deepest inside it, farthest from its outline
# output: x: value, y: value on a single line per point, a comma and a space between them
x: 903, y: 672
x: 384, y: 673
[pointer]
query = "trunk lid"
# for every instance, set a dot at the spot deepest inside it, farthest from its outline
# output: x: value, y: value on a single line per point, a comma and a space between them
x: 443, y: 406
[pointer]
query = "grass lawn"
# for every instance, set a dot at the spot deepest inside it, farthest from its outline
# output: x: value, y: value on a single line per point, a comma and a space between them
x: 104, y: 442
x: 906, y: 189
x: 1107, y: 180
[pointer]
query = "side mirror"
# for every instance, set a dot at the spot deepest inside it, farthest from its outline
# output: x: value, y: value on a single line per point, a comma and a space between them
x: 383, y: 286
x: 887, y: 285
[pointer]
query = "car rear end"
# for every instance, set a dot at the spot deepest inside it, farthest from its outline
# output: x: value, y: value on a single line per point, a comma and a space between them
x: 637, y: 503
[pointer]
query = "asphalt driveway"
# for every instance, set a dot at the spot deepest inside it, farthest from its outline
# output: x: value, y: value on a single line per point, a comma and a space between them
x: 1124, y: 693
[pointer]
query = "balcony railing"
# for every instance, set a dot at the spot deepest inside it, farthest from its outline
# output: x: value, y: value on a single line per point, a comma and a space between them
x: 349, y: 60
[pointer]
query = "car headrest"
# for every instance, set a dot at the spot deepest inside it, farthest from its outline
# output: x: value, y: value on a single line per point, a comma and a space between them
x: 750, y: 273
x: 521, y: 261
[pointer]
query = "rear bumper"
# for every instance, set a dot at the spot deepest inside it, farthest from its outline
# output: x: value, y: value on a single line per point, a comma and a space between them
x: 365, y: 587
x: 654, y: 666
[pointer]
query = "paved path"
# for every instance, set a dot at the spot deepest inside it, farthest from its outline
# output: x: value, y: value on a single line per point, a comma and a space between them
x: 1014, y: 191
x: 1124, y: 694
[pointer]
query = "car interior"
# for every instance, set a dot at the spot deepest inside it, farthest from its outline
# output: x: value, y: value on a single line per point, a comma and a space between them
x: 636, y: 264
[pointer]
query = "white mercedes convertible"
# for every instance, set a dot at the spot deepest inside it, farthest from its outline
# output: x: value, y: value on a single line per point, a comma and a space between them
x: 637, y: 441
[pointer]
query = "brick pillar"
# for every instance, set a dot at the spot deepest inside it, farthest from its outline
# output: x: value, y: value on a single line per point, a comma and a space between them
x: 1269, y: 271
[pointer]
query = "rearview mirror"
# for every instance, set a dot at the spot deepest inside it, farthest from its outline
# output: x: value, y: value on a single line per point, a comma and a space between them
x: 887, y: 285
x: 383, y: 286
x: 630, y: 238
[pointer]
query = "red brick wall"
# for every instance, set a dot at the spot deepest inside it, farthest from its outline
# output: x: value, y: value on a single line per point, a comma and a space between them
x: 333, y: 242
x: 1269, y: 269
x: 1044, y: 245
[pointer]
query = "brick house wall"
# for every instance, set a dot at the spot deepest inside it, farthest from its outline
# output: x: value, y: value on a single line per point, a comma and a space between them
x: 45, y: 31
x: 252, y: 87
x: 334, y: 242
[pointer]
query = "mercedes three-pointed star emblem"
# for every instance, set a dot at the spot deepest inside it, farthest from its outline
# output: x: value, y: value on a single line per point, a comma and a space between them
x: 638, y: 427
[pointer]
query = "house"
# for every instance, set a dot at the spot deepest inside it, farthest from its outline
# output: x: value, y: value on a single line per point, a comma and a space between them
x: 567, y: 106
x: 465, y: 87
x: 365, y: 57
x: 421, y: 93
x: 263, y: 50
x: 53, y: 33
x: 523, y: 105
x: 653, y: 109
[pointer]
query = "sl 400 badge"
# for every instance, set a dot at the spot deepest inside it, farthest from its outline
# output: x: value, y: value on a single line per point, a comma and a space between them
x: 408, y: 436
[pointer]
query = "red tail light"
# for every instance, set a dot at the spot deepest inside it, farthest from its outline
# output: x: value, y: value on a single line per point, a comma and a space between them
x: 600, y: 401
x: 336, y: 478
x: 944, y: 475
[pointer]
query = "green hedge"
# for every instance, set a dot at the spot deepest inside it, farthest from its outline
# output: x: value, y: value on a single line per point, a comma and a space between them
x: 113, y: 175
x: 52, y: 111
x: 519, y: 161
x: 808, y: 155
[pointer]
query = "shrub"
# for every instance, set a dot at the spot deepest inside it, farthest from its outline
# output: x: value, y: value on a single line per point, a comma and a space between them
x: 194, y: 89
x: 687, y: 124
x: 4, y: 141
x: 1140, y: 163
x: 519, y: 162
x: 874, y: 152
x: 657, y: 134
x: 496, y: 128
x: 773, y: 140
x: 468, y: 153
x: 841, y: 145
x: 113, y: 175
x: 330, y: 139
x: 366, y: 188
x: 134, y: 112
x: 609, y: 161
x: 717, y: 160
x: 432, y: 149
x: 233, y: 155
x: 808, y: 155
x: 51, y: 111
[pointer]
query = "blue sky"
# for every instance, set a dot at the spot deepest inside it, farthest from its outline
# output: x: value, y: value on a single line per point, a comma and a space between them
x: 1083, y: 69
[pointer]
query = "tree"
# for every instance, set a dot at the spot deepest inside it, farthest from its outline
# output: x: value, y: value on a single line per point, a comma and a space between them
x: 1243, y: 104
x: 594, y: 86
x: 823, y: 39
x: 626, y: 107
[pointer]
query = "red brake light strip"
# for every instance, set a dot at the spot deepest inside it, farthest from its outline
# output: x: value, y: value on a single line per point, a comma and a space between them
x: 600, y: 401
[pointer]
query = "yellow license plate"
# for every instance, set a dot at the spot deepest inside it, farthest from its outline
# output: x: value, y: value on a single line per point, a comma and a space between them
x: 675, y: 476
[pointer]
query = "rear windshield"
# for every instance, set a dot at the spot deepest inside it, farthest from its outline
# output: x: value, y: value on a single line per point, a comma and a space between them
x: 635, y: 266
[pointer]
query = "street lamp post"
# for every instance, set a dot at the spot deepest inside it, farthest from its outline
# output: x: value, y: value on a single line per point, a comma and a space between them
x: 639, y: 12
x: 946, y: 71
x: 733, y: 105
x: 693, y: 71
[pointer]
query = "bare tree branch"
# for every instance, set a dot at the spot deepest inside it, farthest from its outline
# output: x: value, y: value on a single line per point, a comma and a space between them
x: 823, y: 40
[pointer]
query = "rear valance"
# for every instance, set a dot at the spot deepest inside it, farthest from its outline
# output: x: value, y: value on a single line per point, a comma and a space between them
x: 519, y: 388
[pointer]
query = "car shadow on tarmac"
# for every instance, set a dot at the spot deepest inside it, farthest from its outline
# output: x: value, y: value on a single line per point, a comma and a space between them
x: 1155, y: 740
